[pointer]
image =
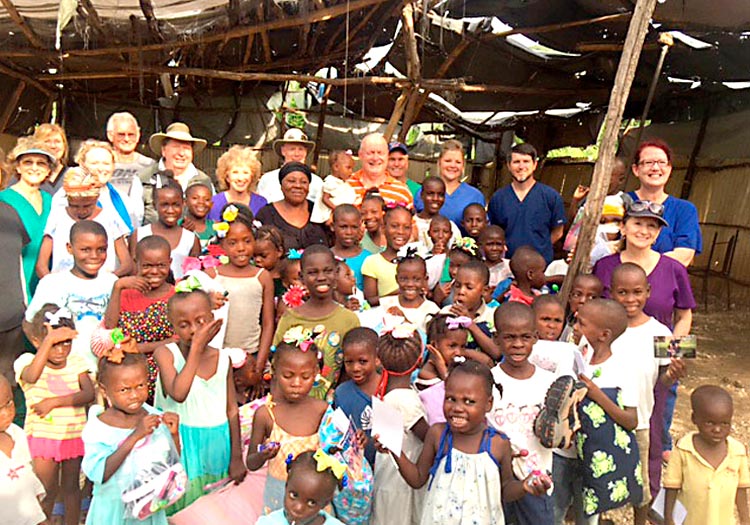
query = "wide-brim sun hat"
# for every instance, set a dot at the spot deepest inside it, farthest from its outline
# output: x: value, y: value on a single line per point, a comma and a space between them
x: 293, y: 136
x: 176, y: 131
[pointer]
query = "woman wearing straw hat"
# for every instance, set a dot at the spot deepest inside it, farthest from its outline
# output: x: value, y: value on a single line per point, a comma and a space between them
x: 32, y: 164
x: 294, y: 147
x: 177, y: 148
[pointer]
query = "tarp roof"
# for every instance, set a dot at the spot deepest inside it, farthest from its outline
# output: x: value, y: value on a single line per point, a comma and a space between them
x: 550, y: 63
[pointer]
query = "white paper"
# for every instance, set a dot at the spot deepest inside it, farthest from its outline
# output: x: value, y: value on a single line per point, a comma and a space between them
x: 388, y: 425
x: 679, y: 513
x: 340, y: 420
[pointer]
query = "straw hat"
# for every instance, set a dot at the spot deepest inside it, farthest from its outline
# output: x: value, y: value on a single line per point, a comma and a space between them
x: 176, y: 131
x: 293, y: 136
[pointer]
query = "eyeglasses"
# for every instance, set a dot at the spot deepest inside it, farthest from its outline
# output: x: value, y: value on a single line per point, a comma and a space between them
x: 641, y: 206
x: 651, y: 163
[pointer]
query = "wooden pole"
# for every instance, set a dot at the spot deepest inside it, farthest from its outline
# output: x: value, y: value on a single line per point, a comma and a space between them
x: 637, y: 30
x: 11, y: 106
x: 14, y: 15
x: 321, y: 127
x: 398, y: 111
x: 666, y: 41
x: 687, y: 183
x: 413, y: 68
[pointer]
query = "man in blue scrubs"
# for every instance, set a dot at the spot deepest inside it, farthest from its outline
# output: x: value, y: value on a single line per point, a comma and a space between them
x: 531, y: 213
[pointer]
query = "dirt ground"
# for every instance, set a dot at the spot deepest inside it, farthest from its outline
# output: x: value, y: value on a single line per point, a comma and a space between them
x: 723, y: 358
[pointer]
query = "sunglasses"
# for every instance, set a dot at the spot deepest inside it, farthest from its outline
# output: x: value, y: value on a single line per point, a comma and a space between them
x: 641, y: 206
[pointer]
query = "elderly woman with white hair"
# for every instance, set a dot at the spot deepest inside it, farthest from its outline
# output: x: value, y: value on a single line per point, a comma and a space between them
x: 98, y: 158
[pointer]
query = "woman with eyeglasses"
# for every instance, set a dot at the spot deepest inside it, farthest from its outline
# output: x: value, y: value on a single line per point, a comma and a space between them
x: 681, y: 237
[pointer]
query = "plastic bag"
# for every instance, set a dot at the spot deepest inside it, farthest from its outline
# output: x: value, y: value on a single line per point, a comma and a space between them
x: 157, y: 479
x: 353, y: 503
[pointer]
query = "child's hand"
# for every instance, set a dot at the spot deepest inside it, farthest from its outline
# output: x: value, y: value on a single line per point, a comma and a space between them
x: 237, y: 470
x: 361, y: 438
x: 269, y: 450
x: 459, y: 310
x: 379, y: 446
x: 677, y: 370
x: 188, y: 223
x: 580, y: 192
x: 133, y: 282
x: 438, y: 361
x: 44, y: 407
x: 537, y: 483
x: 218, y: 300
x: 205, y: 334
x: 172, y: 422
x: 352, y: 303
x: 446, y: 288
x: 59, y: 335
x: 147, y: 425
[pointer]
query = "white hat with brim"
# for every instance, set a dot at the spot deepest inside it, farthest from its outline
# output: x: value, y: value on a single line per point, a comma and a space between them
x: 293, y: 136
x: 38, y: 151
x: 176, y: 131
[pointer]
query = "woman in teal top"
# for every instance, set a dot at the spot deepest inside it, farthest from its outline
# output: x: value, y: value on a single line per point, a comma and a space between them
x: 32, y: 165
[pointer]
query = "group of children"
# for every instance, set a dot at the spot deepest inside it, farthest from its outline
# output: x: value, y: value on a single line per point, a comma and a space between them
x: 235, y: 356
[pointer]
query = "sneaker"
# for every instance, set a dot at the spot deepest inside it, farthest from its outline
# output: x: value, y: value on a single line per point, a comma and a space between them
x: 558, y: 420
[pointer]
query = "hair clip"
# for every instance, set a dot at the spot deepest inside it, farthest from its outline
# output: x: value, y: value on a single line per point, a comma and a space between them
x: 221, y: 229
x: 458, y: 359
x: 454, y: 323
x: 189, y: 284
x: 324, y: 462
x: 55, y: 318
x: 289, y: 459
x: 348, y: 152
x: 122, y: 345
x: 396, y: 204
x: 203, y: 262
x: 300, y: 337
x: 295, y: 296
x: 466, y: 244
x: 294, y: 255
x: 230, y: 213
x: 257, y: 224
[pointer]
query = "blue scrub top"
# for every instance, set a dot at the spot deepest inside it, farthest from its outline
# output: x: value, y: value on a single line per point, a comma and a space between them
x: 454, y: 205
x: 528, y: 222
x: 684, y: 230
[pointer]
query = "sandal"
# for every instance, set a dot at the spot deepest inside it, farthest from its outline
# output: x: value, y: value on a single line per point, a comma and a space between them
x: 558, y: 420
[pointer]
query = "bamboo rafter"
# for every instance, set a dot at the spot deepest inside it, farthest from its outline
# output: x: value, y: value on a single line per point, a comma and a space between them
x: 32, y: 37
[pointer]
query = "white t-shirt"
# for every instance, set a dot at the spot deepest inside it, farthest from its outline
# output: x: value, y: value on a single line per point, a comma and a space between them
x: 269, y: 187
x: 58, y: 228
x: 557, y: 357
x: 86, y: 299
x: 636, y: 345
x: 19, y: 486
x: 423, y: 228
x: 435, y: 265
x: 340, y: 192
x: 514, y: 412
x: 499, y: 272
x: 417, y: 316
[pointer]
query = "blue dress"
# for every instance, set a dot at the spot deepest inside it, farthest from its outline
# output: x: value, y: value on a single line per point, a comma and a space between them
x: 101, y: 441
x: 204, y: 427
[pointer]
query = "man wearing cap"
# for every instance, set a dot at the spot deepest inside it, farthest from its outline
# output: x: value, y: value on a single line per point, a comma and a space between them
x: 177, y: 148
x: 530, y: 212
x: 293, y: 147
x: 398, y: 166
x: 373, y: 154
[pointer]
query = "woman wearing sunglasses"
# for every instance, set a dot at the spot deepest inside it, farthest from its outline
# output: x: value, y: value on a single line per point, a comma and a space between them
x: 668, y: 298
x: 681, y: 237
